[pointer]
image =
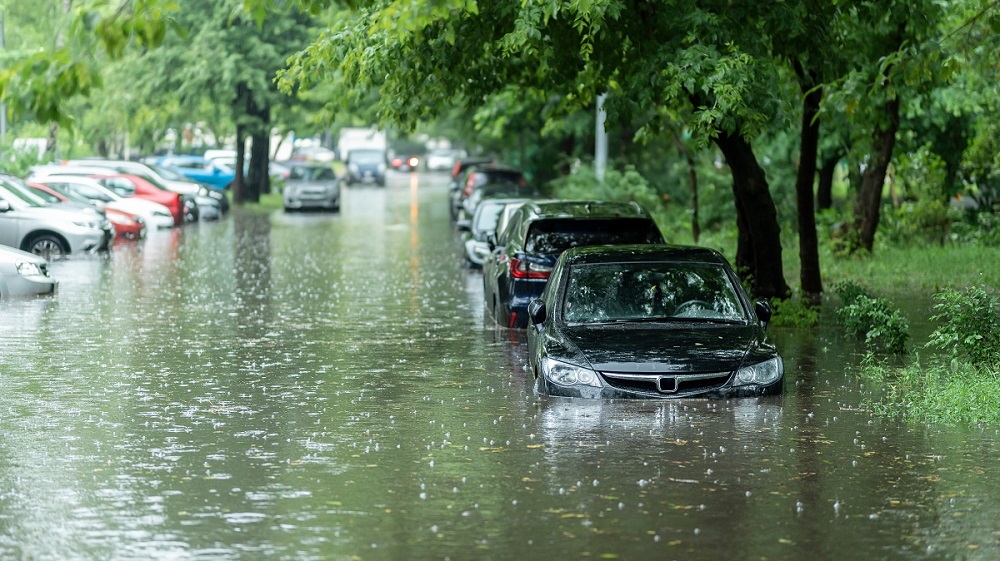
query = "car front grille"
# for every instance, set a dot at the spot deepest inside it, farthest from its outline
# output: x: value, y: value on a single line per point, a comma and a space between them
x: 665, y: 384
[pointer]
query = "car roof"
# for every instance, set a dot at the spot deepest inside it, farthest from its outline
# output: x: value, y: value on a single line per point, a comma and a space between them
x: 536, y: 210
x: 643, y: 253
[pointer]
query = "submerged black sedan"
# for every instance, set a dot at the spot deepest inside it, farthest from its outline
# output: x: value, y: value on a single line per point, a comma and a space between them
x: 649, y: 321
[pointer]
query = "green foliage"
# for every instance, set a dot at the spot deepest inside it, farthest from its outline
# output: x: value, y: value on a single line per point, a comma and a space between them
x: 624, y: 185
x: 920, y: 221
x: 793, y: 313
x: 978, y: 228
x: 38, y: 85
x: 969, y: 325
x: 950, y: 392
x: 881, y: 325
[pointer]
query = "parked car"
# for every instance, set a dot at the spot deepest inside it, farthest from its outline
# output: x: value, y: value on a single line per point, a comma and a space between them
x: 23, y: 274
x: 486, y: 191
x: 650, y: 321
x: 127, y: 226
x: 196, y: 168
x: 311, y: 186
x: 133, y: 186
x: 215, y: 202
x: 90, y: 190
x: 29, y: 224
x: 484, y: 223
x: 366, y: 165
x: 479, y: 175
x: 516, y: 271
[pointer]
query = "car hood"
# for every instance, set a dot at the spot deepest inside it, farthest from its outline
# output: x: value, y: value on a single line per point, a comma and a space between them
x: 662, y: 348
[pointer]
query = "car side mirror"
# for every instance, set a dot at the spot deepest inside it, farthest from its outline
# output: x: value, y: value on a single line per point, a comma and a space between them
x: 464, y: 225
x: 536, y: 312
x: 4, y: 206
x: 491, y: 241
x: 763, y: 310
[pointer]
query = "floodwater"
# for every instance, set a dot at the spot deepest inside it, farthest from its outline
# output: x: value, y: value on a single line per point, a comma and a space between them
x: 323, y: 386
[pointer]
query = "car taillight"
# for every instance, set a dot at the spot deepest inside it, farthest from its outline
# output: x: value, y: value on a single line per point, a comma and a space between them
x: 520, y: 269
x: 412, y: 162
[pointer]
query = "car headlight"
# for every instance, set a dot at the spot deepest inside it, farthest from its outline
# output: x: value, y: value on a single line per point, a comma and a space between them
x: 353, y: 168
x: 762, y: 373
x: 28, y: 269
x: 569, y: 375
x: 88, y: 224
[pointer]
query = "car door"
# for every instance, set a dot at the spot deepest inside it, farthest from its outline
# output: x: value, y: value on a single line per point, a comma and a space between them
x: 10, y: 222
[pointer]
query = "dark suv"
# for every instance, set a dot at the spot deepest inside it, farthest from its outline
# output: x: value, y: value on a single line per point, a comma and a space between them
x: 523, y: 254
x: 366, y: 165
x: 478, y: 175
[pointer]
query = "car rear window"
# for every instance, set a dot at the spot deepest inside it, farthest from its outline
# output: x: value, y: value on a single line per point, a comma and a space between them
x: 558, y: 235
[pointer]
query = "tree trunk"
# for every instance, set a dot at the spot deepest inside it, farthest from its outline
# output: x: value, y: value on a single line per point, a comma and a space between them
x: 868, y: 202
x: 824, y: 191
x: 239, y: 184
x: 758, y: 251
x: 809, y: 275
x: 692, y: 184
x: 258, y: 180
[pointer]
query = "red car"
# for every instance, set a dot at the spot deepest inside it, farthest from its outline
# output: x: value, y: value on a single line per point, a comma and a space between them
x: 128, y: 226
x: 128, y: 185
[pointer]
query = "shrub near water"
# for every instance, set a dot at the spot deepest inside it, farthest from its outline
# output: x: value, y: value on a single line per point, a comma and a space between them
x: 882, y: 326
x: 960, y: 387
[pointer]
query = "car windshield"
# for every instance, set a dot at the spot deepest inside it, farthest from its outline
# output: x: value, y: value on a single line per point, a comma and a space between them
x: 169, y: 174
x: 487, y: 214
x: 557, y: 235
x: 627, y: 292
x: 21, y: 192
x: 366, y: 156
x: 311, y: 173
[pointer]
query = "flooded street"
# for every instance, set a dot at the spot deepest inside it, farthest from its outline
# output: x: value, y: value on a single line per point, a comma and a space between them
x: 323, y: 386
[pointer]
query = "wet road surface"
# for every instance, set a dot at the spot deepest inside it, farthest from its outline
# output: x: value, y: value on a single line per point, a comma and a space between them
x: 323, y: 386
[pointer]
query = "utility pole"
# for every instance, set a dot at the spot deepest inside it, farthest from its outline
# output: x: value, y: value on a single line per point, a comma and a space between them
x: 601, y: 139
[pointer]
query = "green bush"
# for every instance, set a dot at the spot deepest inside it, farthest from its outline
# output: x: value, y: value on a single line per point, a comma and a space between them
x: 882, y: 326
x: 849, y: 291
x: 970, y: 325
x: 793, y: 313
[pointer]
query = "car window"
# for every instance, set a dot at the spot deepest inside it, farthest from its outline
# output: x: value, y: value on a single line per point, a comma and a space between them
x: 90, y: 192
x: 119, y: 185
x: 365, y: 157
x: 21, y: 192
x: 557, y: 235
x: 487, y: 215
x: 646, y: 291
x: 46, y: 196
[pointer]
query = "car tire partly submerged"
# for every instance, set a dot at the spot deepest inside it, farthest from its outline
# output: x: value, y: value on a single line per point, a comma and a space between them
x: 46, y: 245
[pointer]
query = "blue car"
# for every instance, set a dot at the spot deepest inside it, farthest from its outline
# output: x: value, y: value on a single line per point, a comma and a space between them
x: 197, y: 168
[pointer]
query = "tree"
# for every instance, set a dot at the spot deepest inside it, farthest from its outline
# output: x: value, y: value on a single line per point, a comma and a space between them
x: 696, y: 59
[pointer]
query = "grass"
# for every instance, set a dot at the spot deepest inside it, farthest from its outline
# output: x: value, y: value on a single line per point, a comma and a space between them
x: 949, y: 392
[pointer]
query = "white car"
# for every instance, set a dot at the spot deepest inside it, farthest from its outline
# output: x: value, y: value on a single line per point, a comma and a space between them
x: 23, y: 274
x: 155, y: 214
x: 211, y: 203
x: 440, y: 160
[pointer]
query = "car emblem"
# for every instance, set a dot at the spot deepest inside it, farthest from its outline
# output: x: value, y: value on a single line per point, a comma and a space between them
x: 666, y: 384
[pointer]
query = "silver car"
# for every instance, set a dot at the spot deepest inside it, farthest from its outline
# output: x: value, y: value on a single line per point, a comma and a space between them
x: 311, y: 186
x: 23, y: 274
x: 27, y: 223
